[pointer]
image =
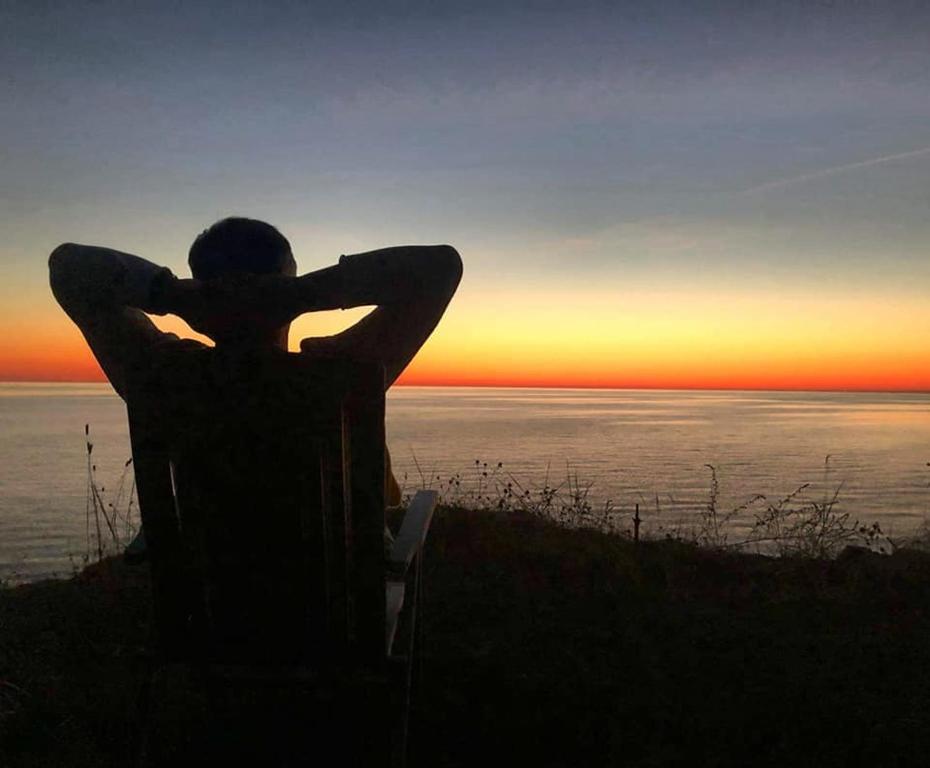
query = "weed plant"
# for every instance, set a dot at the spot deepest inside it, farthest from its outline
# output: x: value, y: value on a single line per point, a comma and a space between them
x: 794, y: 525
x: 109, y: 525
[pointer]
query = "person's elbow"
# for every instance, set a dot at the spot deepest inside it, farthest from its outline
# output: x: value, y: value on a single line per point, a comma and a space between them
x: 61, y: 261
x: 64, y: 270
x: 448, y: 264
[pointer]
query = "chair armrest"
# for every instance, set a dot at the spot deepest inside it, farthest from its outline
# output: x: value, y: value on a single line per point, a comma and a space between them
x: 393, y: 604
x: 413, y: 531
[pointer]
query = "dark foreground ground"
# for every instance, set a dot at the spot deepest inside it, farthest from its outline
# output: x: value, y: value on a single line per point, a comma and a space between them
x: 548, y: 647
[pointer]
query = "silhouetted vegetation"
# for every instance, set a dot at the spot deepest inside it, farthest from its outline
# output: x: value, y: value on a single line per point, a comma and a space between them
x: 796, y: 524
x: 109, y: 524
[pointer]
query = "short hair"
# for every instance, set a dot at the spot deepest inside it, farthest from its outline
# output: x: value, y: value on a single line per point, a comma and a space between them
x: 237, y: 245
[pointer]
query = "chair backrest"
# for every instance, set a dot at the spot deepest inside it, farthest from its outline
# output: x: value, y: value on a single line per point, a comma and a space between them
x: 261, y: 490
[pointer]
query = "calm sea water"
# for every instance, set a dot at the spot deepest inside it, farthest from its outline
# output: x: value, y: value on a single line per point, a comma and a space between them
x: 629, y: 446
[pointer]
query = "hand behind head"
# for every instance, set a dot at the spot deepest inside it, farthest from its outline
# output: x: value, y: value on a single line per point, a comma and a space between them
x: 237, y: 308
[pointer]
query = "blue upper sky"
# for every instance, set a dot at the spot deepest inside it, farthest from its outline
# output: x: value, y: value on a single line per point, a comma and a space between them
x: 782, y: 144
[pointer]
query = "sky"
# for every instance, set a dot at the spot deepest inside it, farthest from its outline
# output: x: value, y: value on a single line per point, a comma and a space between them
x: 667, y: 194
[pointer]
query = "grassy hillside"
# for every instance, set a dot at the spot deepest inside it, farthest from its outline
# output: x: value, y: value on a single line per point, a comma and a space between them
x: 549, y: 647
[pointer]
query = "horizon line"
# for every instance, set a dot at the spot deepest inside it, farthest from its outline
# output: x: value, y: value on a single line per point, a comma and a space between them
x: 648, y: 388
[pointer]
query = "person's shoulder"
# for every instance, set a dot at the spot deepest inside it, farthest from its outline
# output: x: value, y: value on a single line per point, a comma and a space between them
x: 323, y: 347
x: 171, y: 361
x: 172, y: 353
x: 170, y: 344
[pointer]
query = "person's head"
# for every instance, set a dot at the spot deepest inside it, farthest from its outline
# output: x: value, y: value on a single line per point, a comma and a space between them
x: 236, y: 246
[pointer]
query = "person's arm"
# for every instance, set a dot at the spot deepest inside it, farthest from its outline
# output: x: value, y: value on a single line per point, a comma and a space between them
x: 410, y: 287
x: 107, y: 294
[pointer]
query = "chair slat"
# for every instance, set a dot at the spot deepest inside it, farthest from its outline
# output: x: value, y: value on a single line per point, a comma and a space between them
x: 364, y: 417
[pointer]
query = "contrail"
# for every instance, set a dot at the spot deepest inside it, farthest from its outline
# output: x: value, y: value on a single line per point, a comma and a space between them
x: 779, y: 183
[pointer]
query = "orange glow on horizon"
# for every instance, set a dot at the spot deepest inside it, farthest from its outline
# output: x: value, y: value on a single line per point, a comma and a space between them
x: 649, y: 342
x: 774, y: 380
x: 83, y: 368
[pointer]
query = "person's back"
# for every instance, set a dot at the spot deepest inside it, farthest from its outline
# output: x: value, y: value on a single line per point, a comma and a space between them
x: 243, y: 438
x: 227, y: 413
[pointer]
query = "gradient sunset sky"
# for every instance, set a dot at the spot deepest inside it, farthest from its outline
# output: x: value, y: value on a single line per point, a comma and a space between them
x: 723, y: 195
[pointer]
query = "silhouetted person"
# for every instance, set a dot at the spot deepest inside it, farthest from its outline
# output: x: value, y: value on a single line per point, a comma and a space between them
x: 244, y: 294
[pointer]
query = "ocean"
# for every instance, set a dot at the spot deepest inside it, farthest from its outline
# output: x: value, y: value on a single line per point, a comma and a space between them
x: 621, y: 447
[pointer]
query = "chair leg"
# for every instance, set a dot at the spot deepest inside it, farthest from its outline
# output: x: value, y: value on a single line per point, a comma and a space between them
x: 399, y: 705
x: 419, y: 632
x: 140, y: 725
x: 415, y: 665
x: 216, y: 725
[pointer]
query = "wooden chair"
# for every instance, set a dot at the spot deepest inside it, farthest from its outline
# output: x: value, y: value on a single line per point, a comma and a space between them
x: 261, y: 490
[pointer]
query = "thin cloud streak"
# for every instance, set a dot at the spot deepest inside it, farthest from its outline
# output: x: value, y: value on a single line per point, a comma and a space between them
x: 804, y: 177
